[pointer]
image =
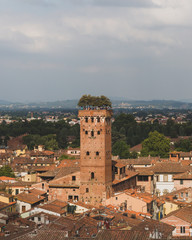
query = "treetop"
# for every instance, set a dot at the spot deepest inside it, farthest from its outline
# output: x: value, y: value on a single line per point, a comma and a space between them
x: 88, y: 101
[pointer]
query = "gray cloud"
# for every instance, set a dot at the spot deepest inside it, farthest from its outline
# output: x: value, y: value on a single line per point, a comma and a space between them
x: 58, y: 49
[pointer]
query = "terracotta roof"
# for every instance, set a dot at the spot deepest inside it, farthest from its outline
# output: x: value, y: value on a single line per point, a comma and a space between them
x: 145, y: 171
x: 4, y: 194
x: 42, y: 234
x: 185, y: 154
x: 121, y: 235
x: 69, y: 163
x: 136, y: 148
x: 186, y: 162
x: 51, y: 173
x: 130, y: 174
x: 140, y: 161
x: 186, y: 175
x: 29, y: 198
x: 4, y: 178
x: 82, y: 204
x: 37, y: 192
x: 5, y: 205
x: 55, y: 207
x: 146, y: 197
x: 150, y: 226
x: 120, y: 164
x: 184, y: 213
x: 169, y: 167
x: 19, y: 184
x: 45, y: 168
x: 66, y: 171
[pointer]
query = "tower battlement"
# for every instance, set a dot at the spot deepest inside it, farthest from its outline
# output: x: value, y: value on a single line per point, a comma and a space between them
x: 95, y: 113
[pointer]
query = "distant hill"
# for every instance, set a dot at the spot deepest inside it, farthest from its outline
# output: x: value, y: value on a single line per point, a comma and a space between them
x: 117, y: 103
x: 3, y: 102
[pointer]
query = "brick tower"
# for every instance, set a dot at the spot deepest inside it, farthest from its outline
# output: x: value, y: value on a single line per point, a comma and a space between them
x: 96, y: 163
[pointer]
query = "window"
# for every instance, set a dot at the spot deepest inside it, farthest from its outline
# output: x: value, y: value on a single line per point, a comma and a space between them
x: 87, y: 189
x: 157, y: 178
x: 16, y: 191
x: 92, y: 175
x: 181, y: 182
x: 86, y: 132
x: 182, y: 229
x: 186, y: 194
x: 76, y: 198
x: 98, y: 132
x: 97, y: 153
x: 182, y: 194
x: 73, y: 178
x: 92, y: 119
x: 116, y: 198
x: 87, y: 153
x: 92, y: 133
x: 98, y: 119
x: 70, y: 197
x: 39, y: 219
x: 143, y: 178
x: 23, y: 208
x: 165, y: 178
x: 43, y: 185
x: 86, y: 119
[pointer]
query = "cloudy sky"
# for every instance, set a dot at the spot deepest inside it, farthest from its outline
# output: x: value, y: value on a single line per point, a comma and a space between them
x: 60, y: 49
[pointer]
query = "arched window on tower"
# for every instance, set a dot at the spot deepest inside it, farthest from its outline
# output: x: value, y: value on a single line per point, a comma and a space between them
x: 92, y: 119
x: 92, y: 175
x: 86, y: 119
x: 98, y: 119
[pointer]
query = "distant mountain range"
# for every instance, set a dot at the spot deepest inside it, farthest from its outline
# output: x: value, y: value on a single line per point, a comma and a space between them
x: 117, y: 103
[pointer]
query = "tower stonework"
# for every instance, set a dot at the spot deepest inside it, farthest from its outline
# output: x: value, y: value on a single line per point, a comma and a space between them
x: 96, y: 163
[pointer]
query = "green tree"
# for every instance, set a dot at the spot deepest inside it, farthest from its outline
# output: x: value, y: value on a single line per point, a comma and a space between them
x: 156, y: 145
x: 121, y: 149
x: 134, y: 155
x: 6, y: 171
x: 92, y: 101
x: 184, y: 145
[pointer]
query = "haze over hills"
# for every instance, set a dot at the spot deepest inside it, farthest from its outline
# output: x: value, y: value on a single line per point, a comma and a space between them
x: 117, y: 103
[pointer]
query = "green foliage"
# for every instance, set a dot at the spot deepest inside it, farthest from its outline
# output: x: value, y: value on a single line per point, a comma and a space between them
x: 7, y: 171
x: 64, y: 156
x: 49, y: 141
x: 92, y: 101
x: 133, y: 155
x: 184, y: 145
x: 156, y: 145
x: 121, y: 149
